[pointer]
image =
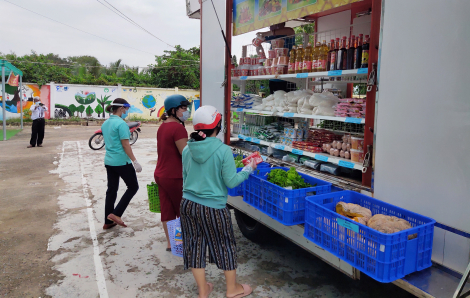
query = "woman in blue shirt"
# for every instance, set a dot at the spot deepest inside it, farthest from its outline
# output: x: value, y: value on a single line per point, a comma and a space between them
x: 119, y: 161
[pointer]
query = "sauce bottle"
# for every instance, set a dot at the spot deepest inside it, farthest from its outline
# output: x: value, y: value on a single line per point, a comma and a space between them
x: 328, y: 61
x: 307, y: 64
x: 342, y: 53
x: 351, y: 49
x: 345, y: 58
x: 299, y: 59
x: 333, y: 52
x: 291, y: 68
x: 365, y: 53
x: 358, y: 53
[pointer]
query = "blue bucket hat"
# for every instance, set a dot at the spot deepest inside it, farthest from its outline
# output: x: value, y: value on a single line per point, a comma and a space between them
x: 174, y: 101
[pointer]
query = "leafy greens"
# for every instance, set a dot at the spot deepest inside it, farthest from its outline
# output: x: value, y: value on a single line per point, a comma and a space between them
x: 288, y: 178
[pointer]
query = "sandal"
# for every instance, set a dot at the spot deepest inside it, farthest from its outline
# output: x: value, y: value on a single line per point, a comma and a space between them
x: 211, y: 287
x: 117, y: 220
x: 168, y: 249
x: 247, y: 290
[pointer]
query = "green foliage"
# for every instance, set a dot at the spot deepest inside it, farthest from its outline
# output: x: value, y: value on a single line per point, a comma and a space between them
x: 104, y: 101
x: 73, y: 109
x: 288, y: 178
x: 99, y: 110
x: 85, y: 100
x: 81, y: 109
x: 309, y: 29
x: 238, y: 161
x: 170, y: 73
x: 86, y: 70
x: 89, y: 111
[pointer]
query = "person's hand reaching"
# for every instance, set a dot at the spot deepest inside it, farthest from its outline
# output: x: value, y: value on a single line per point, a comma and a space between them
x: 253, y: 164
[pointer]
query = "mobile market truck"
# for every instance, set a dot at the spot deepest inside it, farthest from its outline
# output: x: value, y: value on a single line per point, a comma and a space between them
x: 412, y: 125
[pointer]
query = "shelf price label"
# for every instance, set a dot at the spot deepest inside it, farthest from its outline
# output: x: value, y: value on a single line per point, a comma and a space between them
x: 302, y: 75
x: 280, y: 147
x: 243, y: 78
x: 354, y: 120
x: 321, y: 157
x: 362, y: 70
x: 347, y: 225
x: 241, y: 137
x: 297, y: 151
x: 335, y: 73
x: 257, y: 141
x: 240, y: 110
x: 288, y: 115
x: 346, y: 164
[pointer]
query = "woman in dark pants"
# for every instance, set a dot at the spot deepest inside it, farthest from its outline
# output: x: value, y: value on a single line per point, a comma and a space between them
x: 119, y: 162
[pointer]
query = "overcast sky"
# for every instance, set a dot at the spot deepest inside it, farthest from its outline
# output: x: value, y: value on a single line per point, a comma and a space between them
x: 22, y: 31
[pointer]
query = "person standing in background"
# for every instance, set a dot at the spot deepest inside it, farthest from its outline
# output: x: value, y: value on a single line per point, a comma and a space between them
x: 38, y: 111
x: 171, y: 140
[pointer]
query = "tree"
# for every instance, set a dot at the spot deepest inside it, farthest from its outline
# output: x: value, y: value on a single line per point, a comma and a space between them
x: 81, y: 109
x: 307, y: 28
x: 89, y: 111
x: 178, y: 68
x: 104, y: 101
x: 73, y: 109
x: 98, y: 110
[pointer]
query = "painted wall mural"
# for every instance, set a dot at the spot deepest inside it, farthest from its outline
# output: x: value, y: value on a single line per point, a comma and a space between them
x: 28, y: 92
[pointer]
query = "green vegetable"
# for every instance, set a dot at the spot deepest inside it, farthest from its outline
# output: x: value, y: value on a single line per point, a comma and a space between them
x: 288, y: 178
x: 238, y: 160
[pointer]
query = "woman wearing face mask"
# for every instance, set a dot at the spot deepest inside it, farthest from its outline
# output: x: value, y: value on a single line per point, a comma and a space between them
x: 208, y: 169
x: 119, y: 161
x: 171, y: 140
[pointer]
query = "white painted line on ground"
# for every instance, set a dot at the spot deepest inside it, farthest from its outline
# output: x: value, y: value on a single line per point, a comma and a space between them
x: 100, y: 279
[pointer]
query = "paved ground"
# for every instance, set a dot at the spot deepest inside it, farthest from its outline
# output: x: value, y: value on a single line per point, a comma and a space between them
x: 52, y: 244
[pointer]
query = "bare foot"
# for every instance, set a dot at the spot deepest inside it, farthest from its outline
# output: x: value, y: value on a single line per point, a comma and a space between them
x: 209, y: 288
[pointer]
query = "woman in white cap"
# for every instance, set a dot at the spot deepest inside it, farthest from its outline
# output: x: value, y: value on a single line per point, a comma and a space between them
x: 119, y: 161
x: 208, y: 169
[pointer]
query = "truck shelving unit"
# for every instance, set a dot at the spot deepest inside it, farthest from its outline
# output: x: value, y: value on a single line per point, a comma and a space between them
x: 416, y: 125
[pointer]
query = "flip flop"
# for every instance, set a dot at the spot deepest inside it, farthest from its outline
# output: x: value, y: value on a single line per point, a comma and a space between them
x: 168, y: 249
x: 247, y: 290
x: 109, y: 226
x: 115, y: 219
x: 211, y: 287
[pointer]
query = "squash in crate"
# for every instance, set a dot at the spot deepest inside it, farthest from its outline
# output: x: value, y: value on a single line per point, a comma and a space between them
x: 354, y: 212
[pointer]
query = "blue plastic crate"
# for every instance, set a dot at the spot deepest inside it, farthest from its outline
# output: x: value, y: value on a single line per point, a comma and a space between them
x: 238, y: 191
x: 384, y: 257
x: 286, y: 206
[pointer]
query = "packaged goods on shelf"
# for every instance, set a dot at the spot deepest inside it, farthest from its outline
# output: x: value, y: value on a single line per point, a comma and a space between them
x: 350, y: 107
x: 245, y: 101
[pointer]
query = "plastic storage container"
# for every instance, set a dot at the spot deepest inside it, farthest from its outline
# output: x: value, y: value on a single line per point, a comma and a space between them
x: 284, y: 205
x: 384, y: 257
x: 357, y: 143
x: 357, y: 155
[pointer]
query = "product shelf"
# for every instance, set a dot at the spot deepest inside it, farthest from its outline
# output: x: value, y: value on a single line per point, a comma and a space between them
x: 333, y: 73
x: 342, y: 162
x: 296, y: 115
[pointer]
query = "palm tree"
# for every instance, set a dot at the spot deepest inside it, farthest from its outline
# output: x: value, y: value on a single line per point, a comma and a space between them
x: 104, y: 101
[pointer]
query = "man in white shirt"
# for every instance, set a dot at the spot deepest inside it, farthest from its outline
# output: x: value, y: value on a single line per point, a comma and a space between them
x: 37, y: 115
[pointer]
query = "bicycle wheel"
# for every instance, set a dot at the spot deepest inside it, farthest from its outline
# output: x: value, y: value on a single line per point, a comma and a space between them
x: 96, y: 141
x: 134, y: 137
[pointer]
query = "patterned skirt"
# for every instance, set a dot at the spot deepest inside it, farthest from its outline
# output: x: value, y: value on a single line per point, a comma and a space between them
x: 204, y: 227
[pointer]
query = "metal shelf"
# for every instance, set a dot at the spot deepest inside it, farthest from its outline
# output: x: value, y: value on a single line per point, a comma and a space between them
x: 342, y: 162
x: 296, y: 115
x: 333, y: 73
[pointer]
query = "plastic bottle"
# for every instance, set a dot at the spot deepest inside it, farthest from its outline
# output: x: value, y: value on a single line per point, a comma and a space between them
x: 358, y: 53
x: 328, y: 61
x: 342, y: 54
x: 322, y: 56
x: 292, y: 54
x: 307, y: 64
x: 365, y: 53
x: 299, y: 59
x: 333, y: 55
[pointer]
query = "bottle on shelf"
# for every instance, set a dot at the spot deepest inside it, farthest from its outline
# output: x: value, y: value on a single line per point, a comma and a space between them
x: 345, y: 58
x: 307, y: 64
x: 291, y: 68
x: 322, y: 56
x: 358, y: 53
x: 351, y: 49
x: 328, y: 61
x: 365, y: 53
x: 333, y: 52
x: 342, y: 54
x: 315, y: 58
x: 299, y: 59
